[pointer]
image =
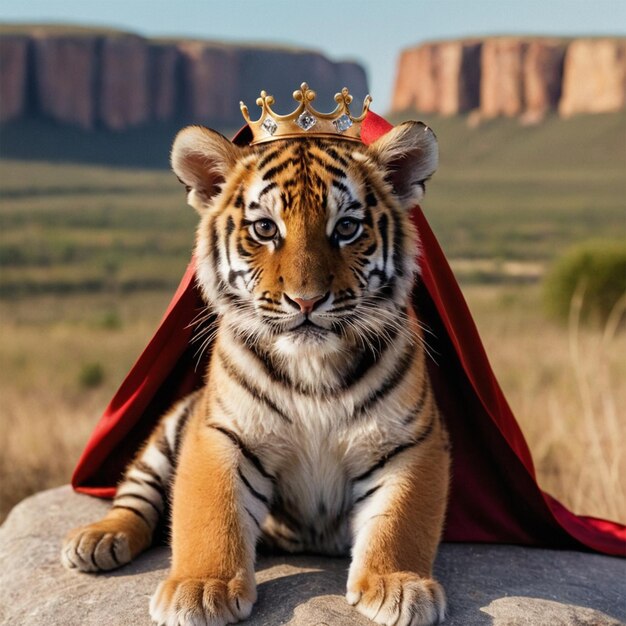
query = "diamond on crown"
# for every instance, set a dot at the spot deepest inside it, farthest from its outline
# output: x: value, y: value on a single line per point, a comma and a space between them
x: 306, y: 121
x: 270, y: 125
x: 343, y: 123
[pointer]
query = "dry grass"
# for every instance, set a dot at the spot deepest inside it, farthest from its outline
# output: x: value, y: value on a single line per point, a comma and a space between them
x: 46, y: 409
x: 41, y: 437
x: 564, y: 387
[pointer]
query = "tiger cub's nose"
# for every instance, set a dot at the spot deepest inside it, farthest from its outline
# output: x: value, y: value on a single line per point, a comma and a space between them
x: 307, y: 305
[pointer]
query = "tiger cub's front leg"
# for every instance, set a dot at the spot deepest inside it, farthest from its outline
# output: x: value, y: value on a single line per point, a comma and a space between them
x: 139, y: 503
x: 397, y: 527
x: 220, y: 497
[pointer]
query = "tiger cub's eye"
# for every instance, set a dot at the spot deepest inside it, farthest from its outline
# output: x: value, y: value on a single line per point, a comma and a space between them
x: 347, y: 228
x: 265, y: 229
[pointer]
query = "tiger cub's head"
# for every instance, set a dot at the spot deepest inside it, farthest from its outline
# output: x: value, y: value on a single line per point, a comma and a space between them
x: 306, y: 243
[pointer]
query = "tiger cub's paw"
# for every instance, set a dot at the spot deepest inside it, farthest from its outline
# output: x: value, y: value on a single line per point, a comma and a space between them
x: 95, y: 548
x: 398, y: 599
x: 202, y: 601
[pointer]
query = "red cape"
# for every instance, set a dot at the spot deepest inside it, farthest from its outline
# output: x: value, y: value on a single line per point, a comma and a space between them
x: 494, y: 493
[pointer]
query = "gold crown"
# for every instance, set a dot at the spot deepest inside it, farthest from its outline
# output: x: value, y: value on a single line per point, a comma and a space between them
x: 305, y: 121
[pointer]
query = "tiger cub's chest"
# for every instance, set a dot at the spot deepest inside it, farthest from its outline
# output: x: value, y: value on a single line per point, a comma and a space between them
x: 311, y: 445
x: 314, y: 462
x: 312, y: 495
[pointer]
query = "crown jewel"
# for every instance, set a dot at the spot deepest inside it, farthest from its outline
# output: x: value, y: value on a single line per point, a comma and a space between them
x: 305, y: 121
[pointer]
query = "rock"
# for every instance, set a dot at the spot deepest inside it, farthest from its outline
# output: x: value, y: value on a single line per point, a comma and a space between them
x: 117, y: 81
x: 542, y: 77
x: 13, y: 68
x: 439, y: 77
x: 123, y: 94
x: 165, y: 63
x: 502, y: 86
x: 459, y: 77
x: 209, y: 78
x: 594, y: 78
x: 486, y: 584
x: 513, y: 76
x: 65, y: 77
x: 502, y: 75
x: 409, y: 72
x: 217, y: 78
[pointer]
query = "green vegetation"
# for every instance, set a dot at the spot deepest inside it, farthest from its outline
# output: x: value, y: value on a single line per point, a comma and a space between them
x: 595, y: 271
x: 91, y: 375
x: 110, y: 320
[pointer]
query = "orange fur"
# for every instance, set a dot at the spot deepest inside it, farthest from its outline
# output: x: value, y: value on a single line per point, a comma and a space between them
x: 212, y: 567
x: 407, y: 539
x: 207, y: 537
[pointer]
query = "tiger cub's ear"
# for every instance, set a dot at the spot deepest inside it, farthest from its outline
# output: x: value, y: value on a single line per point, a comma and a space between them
x: 202, y: 159
x: 410, y: 155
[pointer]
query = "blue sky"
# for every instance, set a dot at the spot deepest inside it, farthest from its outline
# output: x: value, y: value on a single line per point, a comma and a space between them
x: 371, y: 32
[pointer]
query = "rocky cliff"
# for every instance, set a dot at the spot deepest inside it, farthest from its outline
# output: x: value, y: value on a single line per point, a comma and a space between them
x: 117, y: 80
x: 439, y: 78
x: 594, y: 77
x: 513, y: 76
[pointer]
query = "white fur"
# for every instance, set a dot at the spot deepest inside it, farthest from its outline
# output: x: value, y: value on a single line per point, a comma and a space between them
x: 317, y: 453
x: 153, y: 457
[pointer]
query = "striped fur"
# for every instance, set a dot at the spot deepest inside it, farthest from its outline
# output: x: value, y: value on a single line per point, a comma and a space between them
x: 317, y: 428
x: 140, y: 503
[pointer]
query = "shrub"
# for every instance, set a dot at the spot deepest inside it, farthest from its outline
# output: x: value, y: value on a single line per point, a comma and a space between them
x: 91, y: 375
x: 110, y: 320
x: 597, y: 271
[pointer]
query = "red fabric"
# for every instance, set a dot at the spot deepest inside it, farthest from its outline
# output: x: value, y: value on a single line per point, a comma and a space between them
x: 494, y: 494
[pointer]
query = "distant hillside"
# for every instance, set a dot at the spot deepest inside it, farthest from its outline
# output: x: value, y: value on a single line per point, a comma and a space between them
x: 509, y: 193
x: 513, y: 76
x: 504, y: 202
x: 93, y: 78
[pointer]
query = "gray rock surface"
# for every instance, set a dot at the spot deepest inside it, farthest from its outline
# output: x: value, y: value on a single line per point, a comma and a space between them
x: 499, y: 585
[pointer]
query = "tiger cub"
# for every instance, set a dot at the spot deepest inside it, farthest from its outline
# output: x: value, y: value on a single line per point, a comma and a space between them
x: 317, y: 428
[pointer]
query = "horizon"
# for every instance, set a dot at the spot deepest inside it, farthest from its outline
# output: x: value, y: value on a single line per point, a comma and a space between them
x: 376, y: 42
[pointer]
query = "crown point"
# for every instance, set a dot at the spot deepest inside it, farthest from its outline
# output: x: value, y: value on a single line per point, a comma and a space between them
x: 244, y: 111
